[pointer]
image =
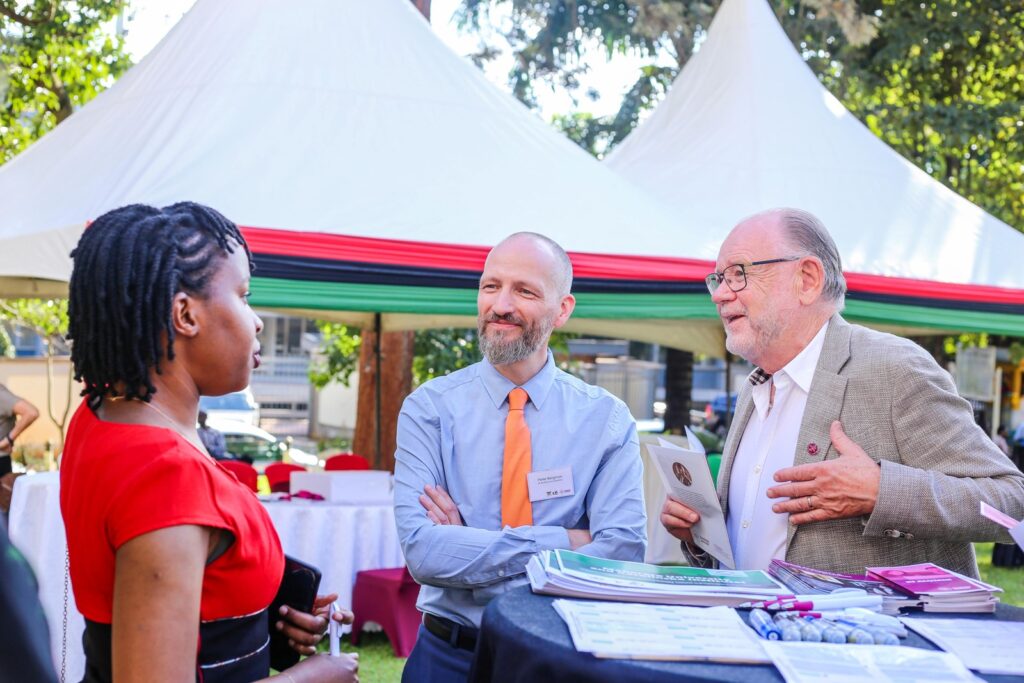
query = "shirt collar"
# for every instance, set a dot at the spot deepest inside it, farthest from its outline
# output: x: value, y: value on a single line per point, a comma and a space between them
x: 498, y: 386
x: 799, y: 371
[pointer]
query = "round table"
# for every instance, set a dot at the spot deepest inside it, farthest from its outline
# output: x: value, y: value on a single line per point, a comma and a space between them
x: 523, y: 640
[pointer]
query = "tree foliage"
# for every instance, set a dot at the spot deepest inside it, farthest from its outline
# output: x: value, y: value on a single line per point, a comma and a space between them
x: 49, y: 319
x: 941, y: 81
x: 55, y: 55
x: 338, y: 355
x: 943, y: 84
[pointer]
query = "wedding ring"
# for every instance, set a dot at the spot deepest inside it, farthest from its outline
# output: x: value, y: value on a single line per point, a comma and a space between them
x: 809, y: 506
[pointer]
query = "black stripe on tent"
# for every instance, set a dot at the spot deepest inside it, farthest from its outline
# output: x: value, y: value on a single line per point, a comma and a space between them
x: 954, y: 304
x: 324, y: 270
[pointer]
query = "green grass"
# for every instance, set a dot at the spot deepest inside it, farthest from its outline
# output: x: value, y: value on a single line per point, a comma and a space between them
x: 1011, y: 580
x: 377, y: 662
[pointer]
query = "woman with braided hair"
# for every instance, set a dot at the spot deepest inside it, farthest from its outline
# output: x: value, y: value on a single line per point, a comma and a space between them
x: 173, y: 561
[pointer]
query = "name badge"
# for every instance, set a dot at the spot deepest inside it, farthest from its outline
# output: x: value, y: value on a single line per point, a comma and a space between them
x: 550, y: 484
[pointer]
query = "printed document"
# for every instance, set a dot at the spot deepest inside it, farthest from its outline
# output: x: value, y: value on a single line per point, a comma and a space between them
x: 687, y: 478
x: 985, y: 645
x: 828, y: 663
x: 631, y: 631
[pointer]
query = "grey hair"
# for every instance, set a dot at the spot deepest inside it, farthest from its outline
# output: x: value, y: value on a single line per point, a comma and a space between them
x: 563, y: 278
x: 808, y: 234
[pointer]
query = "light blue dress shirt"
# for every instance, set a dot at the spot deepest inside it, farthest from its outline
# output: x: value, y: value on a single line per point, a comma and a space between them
x: 451, y: 433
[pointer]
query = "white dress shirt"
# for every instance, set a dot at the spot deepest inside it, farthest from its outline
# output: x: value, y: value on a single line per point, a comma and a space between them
x: 768, y: 444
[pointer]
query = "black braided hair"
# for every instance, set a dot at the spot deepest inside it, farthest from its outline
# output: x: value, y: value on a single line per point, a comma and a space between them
x: 128, y: 265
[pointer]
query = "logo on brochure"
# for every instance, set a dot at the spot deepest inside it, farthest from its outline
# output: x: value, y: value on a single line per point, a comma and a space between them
x: 682, y: 474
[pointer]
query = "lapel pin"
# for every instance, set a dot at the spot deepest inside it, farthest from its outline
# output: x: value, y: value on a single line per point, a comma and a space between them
x: 812, y: 448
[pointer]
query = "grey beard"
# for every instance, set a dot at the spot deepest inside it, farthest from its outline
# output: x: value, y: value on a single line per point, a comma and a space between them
x: 500, y: 352
x: 505, y: 352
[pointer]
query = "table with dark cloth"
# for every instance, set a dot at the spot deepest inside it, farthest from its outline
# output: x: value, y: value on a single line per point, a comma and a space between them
x: 523, y: 640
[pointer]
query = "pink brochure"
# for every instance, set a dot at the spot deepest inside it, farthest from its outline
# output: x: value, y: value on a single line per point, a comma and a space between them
x: 925, y: 578
x: 999, y: 517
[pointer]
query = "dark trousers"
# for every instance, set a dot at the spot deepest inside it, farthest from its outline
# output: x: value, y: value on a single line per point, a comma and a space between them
x: 435, y: 661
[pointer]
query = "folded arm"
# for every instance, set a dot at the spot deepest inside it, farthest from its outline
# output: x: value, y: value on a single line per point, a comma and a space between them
x: 451, y: 555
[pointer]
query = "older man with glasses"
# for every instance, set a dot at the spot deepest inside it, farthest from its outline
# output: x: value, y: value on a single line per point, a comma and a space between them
x: 850, y: 447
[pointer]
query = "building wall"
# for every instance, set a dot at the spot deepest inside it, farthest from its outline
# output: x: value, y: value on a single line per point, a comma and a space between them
x: 27, y: 378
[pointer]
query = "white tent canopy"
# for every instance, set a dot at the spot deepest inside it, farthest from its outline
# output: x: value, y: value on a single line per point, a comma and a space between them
x: 747, y: 126
x: 340, y: 116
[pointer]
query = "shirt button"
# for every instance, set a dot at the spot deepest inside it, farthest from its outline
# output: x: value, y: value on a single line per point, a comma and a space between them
x: 501, y: 572
x: 746, y: 523
x: 757, y: 470
x: 891, y: 533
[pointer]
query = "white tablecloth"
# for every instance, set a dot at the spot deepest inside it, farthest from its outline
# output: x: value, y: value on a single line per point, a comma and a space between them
x: 37, y: 530
x: 338, y: 539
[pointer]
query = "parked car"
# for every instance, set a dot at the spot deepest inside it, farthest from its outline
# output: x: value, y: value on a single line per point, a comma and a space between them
x: 715, y: 414
x: 240, y: 406
x: 242, y: 439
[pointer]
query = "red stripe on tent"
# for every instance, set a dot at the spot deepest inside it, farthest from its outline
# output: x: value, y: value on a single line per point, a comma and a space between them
x: 460, y: 256
x: 365, y: 249
x: 928, y: 289
x: 585, y: 265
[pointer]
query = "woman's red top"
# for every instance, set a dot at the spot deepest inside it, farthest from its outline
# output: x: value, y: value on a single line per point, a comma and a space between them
x: 119, y: 481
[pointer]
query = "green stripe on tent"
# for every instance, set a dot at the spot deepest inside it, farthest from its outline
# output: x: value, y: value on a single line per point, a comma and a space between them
x: 938, y: 318
x: 335, y: 296
x: 274, y: 293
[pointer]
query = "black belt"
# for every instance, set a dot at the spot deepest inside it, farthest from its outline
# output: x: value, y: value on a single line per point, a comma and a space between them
x: 456, y: 635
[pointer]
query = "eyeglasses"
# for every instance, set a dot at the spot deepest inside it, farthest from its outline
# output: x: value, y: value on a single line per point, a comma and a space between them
x: 735, y: 276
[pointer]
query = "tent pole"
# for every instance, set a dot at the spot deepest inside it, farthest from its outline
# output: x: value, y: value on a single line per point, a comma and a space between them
x: 728, y: 390
x: 376, y: 388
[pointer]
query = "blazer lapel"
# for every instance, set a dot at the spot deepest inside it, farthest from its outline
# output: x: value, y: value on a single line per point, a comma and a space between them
x: 824, y: 402
x: 744, y: 409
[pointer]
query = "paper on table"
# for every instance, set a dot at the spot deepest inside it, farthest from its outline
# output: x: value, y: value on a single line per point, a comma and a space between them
x: 999, y: 517
x: 631, y: 631
x: 828, y: 663
x: 985, y: 645
x: 687, y: 478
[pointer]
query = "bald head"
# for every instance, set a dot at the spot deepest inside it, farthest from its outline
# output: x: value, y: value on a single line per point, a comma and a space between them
x: 804, y: 233
x: 552, y: 258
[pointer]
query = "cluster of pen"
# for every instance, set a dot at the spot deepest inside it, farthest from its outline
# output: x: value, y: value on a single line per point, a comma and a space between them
x: 860, y: 627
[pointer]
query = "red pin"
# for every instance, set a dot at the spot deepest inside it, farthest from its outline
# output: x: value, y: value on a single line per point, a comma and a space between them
x: 812, y: 448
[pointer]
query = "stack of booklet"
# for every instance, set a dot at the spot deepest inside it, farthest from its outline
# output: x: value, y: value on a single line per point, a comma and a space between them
x: 562, y: 572
x: 939, y: 590
x: 809, y: 581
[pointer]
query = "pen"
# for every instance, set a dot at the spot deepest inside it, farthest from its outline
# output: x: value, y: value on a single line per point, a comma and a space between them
x: 844, y: 597
x: 333, y: 629
x: 762, y: 622
x: 829, y: 602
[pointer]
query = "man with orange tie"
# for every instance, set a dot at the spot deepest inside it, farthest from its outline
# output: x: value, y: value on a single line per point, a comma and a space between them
x: 508, y: 457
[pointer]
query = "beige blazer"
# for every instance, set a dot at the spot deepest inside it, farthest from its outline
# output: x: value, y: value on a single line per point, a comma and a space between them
x: 937, y: 465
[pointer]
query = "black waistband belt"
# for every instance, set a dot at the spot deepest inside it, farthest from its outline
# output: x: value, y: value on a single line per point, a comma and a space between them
x: 456, y: 635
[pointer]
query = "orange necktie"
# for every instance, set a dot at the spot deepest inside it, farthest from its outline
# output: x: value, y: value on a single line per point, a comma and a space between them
x: 515, y: 499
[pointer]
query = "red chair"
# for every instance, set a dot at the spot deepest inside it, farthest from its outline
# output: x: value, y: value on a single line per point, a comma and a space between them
x: 245, y: 472
x: 279, y: 475
x: 387, y: 597
x: 346, y: 461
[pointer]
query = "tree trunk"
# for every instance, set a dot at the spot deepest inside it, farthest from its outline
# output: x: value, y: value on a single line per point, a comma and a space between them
x: 678, y: 388
x: 396, y: 352
x: 424, y: 7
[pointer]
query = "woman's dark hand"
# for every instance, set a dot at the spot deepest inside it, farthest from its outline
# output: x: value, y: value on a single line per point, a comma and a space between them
x: 305, y: 630
x: 326, y: 669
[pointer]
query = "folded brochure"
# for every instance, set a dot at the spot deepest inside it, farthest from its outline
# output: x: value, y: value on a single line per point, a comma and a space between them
x: 687, y: 478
